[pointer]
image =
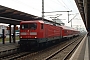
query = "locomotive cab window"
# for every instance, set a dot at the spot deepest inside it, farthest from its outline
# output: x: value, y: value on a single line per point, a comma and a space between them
x: 33, y: 26
x: 24, y: 26
x: 29, y: 26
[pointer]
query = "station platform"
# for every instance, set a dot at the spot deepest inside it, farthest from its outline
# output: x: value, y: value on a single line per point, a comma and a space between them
x: 83, y: 50
x: 8, y: 46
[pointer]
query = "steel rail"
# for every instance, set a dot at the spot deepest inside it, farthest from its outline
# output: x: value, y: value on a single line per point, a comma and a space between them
x: 55, y: 53
x: 66, y: 57
x: 7, y: 52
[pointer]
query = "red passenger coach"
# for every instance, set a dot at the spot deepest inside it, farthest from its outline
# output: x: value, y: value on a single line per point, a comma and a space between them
x: 34, y: 33
x: 68, y: 32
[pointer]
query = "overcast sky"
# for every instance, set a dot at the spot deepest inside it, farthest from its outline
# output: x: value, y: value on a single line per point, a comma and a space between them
x: 34, y: 7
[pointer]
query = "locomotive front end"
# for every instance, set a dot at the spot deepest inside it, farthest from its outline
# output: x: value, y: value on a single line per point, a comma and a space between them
x: 28, y: 34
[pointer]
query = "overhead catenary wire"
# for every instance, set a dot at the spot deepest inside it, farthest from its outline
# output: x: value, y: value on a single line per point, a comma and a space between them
x: 26, y: 5
x: 72, y: 3
x: 59, y: 4
x: 31, y: 6
x: 18, y: 1
x: 63, y: 4
x: 35, y: 8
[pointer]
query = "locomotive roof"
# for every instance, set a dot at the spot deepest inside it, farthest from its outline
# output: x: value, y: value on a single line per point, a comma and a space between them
x: 69, y: 28
x: 40, y: 21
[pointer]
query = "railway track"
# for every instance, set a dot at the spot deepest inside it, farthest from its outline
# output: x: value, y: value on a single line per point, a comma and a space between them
x: 15, y: 56
x: 65, y: 52
x: 46, y: 54
x: 8, y: 52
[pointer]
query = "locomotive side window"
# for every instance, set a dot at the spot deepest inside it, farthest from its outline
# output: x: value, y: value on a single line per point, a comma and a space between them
x: 32, y: 26
x: 41, y: 26
x: 24, y: 26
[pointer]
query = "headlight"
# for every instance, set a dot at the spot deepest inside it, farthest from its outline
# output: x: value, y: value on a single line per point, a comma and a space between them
x: 35, y: 37
x: 21, y: 37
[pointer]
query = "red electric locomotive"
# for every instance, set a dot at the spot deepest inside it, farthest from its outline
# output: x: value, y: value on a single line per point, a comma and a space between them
x: 34, y: 33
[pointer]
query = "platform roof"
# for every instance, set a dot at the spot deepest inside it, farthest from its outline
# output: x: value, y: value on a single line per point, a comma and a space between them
x: 84, y: 9
x: 12, y: 16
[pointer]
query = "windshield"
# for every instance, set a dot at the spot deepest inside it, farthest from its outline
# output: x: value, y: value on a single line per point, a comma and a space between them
x: 29, y: 26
